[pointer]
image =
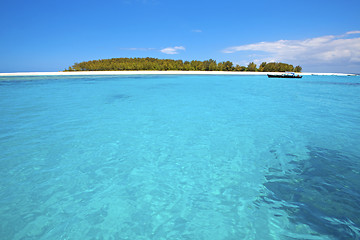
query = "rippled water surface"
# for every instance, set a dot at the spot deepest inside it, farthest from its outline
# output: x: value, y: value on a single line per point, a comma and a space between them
x: 180, y: 157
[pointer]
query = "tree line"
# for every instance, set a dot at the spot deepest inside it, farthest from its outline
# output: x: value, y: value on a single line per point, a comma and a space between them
x: 135, y: 64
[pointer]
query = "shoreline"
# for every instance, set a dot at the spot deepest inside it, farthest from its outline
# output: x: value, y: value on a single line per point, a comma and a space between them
x: 99, y: 73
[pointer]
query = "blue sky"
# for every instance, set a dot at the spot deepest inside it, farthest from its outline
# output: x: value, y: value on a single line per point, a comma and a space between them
x: 319, y: 35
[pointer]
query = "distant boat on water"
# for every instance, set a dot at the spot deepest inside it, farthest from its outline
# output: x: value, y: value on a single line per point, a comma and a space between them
x: 285, y: 75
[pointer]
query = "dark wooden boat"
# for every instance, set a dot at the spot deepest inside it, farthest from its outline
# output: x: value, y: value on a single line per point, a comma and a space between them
x: 285, y: 75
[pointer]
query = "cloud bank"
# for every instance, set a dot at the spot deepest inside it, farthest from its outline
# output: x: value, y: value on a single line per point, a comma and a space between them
x: 172, y: 50
x: 331, y: 49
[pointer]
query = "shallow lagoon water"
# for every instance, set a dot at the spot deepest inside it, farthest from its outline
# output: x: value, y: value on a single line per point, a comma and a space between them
x: 180, y: 157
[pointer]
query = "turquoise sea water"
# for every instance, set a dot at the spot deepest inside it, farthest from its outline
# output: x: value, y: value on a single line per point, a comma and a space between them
x: 180, y: 157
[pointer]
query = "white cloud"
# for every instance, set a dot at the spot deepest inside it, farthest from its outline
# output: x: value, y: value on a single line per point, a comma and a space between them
x: 168, y: 50
x: 353, y: 32
x: 197, y: 30
x: 332, y: 49
x: 172, y: 50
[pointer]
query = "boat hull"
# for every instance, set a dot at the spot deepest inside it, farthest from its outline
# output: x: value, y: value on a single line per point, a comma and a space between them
x: 283, y: 76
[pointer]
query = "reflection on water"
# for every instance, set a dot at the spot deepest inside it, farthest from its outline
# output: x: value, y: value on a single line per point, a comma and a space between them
x: 322, y: 191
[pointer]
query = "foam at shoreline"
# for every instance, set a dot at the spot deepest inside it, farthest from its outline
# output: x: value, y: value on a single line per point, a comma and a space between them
x: 79, y: 73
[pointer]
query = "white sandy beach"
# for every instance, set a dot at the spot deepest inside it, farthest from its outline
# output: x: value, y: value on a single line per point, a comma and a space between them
x: 79, y: 73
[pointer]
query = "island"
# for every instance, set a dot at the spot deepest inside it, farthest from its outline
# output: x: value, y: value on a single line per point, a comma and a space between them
x: 154, y: 64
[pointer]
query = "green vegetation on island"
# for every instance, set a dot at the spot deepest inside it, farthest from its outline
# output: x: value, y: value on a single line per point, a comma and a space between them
x: 154, y: 64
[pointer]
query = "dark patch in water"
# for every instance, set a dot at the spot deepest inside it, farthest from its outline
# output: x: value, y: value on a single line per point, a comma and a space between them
x: 120, y: 96
x: 323, y: 192
x: 117, y: 97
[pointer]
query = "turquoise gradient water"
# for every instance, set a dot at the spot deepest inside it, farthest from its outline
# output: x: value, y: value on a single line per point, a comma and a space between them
x: 179, y: 157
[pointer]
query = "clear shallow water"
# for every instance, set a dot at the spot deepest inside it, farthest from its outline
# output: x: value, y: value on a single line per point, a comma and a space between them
x: 180, y: 157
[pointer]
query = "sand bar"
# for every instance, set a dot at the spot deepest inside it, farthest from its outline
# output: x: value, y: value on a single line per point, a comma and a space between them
x: 80, y: 73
